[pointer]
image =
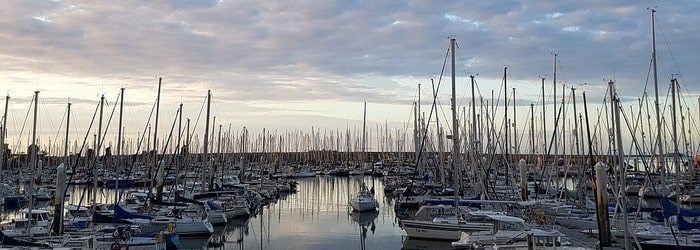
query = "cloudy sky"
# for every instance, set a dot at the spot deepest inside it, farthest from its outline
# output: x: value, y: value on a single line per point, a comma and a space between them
x: 297, y: 64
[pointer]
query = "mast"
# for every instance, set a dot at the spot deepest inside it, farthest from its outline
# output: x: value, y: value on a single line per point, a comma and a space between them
x: 659, y: 144
x: 505, y: 120
x: 178, y: 149
x: 544, y: 126
x: 159, y: 192
x: 532, y: 129
x: 575, y: 132
x: 615, y: 105
x: 515, y: 128
x: 554, y: 101
x: 33, y: 150
x: 676, y: 160
x: 455, y: 128
x: 364, y: 124
x: 3, y: 133
x: 415, y: 133
x: 206, y: 141
x: 65, y: 144
x: 475, y: 142
x: 119, y: 145
x: 97, y: 152
x: 220, y: 155
x: 441, y: 143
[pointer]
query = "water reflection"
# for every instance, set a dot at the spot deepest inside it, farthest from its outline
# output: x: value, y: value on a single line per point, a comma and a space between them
x: 318, y: 216
x: 365, y: 221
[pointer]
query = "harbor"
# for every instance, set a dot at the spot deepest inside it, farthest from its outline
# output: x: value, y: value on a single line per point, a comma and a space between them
x: 467, y: 169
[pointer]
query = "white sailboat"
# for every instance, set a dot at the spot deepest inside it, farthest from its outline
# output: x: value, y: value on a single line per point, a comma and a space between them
x: 364, y: 200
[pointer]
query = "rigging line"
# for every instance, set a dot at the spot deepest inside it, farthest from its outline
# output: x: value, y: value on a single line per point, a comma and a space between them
x: 668, y: 46
x: 18, y: 142
x: 58, y: 131
x: 145, y: 129
x: 423, y: 138
x: 80, y: 152
x: 598, y: 125
x: 162, y: 157
x: 48, y: 117
x: 197, y: 122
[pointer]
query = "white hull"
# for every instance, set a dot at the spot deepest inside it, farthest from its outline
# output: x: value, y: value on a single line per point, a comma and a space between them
x: 135, y: 243
x: 187, y: 226
x: 440, y: 230
x: 362, y: 205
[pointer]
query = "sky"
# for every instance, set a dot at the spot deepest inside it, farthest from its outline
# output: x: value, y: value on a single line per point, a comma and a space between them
x: 294, y: 65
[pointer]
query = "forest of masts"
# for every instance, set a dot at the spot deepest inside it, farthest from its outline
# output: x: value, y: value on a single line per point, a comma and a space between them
x: 560, y: 125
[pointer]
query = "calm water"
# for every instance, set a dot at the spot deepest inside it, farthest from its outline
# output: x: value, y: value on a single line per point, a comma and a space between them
x: 316, y: 217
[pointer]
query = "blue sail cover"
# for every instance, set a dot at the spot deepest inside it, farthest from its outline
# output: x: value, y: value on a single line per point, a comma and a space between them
x: 213, y: 205
x: 120, y: 213
x: 101, y: 218
x: 672, y: 209
x: 685, y: 225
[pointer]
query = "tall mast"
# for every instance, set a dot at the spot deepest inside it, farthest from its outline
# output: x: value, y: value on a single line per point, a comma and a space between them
x: 544, y: 123
x: 505, y: 119
x: 615, y: 105
x: 532, y: 129
x: 206, y: 142
x: 98, y: 147
x: 220, y: 155
x: 178, y: 149
x: 364, y: 124
x: 119, y: 145
x: 575, y: 131
x: 659, y: 144
x: 554, y: 101
x: 475, y: 142
x: 159, y: 191
x: 33, y: 150
x: 515, y: 128
x: 415, y: 133
x: 676, y: 160
x: 455, y: 126
x: 3, y: 133
x: 65, y: 143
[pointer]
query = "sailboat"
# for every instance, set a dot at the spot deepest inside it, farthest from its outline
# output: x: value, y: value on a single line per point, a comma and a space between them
x: 364, y: 200
x: 449, y: 224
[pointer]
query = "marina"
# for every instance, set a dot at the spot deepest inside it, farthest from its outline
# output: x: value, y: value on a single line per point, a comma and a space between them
x: 473, y: 180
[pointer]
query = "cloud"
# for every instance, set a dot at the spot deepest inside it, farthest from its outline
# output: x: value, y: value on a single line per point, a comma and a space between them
x: 270, y: 57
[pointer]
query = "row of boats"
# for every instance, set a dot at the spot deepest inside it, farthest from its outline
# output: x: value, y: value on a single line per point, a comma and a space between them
x: 139, y: 220
x: 426, y: 210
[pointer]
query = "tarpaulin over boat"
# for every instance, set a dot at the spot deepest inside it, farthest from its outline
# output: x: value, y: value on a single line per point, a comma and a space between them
x: 120, y: 213
x: 179, y: 197
x: 165, y: 203
x: 672, y: 209
x: 685, y: 225
x: 102, y: 218
x: 9, y: 241
x: 213, y: 205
